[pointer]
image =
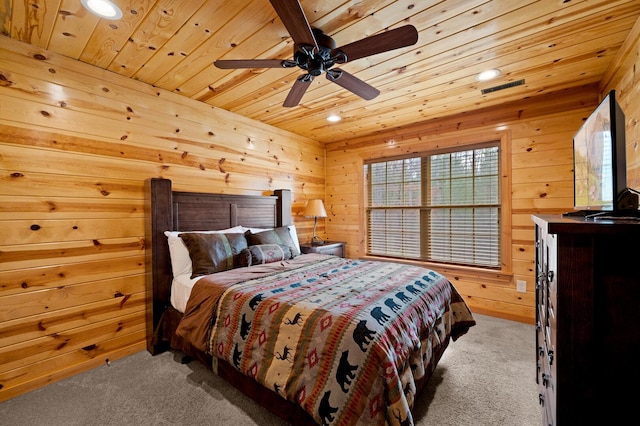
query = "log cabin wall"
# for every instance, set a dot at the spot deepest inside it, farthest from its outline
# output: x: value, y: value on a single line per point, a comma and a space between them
x: 540, y: 134
x: 76, y: 146
x: 624, y: 77
x: 77, y: 143
x: 538, y: 144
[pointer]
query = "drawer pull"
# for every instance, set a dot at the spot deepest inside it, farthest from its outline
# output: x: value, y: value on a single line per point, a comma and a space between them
x: 550, y: 275
x: 550, y: 356
x: 545, y: 380
x: 541, y: 399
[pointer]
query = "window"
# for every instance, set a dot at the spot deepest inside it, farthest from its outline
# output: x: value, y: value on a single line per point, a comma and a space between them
x: 442, y: 207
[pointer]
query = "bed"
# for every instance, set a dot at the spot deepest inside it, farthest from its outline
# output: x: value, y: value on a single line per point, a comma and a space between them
x: 316, y: 339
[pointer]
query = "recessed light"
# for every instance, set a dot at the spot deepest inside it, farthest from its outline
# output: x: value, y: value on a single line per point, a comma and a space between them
x: 488, y: 75
x: 334, y: 118
x: 103, y: 8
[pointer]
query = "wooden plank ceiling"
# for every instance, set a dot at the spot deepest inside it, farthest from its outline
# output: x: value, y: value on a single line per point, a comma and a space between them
x: 550, y: 44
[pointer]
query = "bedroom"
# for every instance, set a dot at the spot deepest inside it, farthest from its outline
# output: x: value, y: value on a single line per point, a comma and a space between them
x: 78, y: 143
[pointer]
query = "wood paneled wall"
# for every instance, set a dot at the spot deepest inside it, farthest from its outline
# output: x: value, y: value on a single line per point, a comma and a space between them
x: 76, y: 145
x: 540, y: 131
x: 539, y: 134
x: 624, y: 77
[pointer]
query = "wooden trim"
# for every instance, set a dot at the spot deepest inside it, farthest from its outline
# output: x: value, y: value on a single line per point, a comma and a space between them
x: 505, y: 208
x: 158, y: 217
x: 283, y: 214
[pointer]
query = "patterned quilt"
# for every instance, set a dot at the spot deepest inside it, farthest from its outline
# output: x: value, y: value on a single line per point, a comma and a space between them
x: 345, y: 339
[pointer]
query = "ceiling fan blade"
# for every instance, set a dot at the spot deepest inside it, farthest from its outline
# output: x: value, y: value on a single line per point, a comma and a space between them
x: 383, y: 42
x: 294, y: 19
x: 253, y: 63
x: 297, y: 90
x: 352, y: 83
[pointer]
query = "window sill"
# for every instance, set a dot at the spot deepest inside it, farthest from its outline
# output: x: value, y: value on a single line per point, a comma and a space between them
x: 494, y: 275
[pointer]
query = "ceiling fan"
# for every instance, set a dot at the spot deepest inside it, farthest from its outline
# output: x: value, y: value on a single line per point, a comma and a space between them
x: 316, y: 53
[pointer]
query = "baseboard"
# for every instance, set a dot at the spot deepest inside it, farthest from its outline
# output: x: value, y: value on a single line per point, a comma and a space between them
x: 503, y: 315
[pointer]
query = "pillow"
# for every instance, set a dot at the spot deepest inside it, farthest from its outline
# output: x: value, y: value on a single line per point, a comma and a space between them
x: 294, y: 237
x: 279, y: 235
x: 215, y: 252
x: 180, y: 260
x: 292, y: 232
x: 268, y: 253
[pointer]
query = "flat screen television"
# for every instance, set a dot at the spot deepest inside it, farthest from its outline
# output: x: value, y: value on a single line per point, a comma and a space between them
x: 599, y: 159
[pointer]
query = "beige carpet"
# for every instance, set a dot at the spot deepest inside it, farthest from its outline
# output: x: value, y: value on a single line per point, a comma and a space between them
x: 487, y: 377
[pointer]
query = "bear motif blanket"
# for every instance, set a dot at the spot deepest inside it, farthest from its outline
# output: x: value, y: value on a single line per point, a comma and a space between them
x: 345, y: 339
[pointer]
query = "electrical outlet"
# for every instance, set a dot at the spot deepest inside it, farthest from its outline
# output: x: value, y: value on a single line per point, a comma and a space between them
x: 521, y: 286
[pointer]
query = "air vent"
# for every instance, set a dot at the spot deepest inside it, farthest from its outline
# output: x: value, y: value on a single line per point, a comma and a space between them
x: 503, y: 86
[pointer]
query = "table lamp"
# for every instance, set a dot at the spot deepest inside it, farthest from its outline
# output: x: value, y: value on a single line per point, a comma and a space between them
x: 315, y: 209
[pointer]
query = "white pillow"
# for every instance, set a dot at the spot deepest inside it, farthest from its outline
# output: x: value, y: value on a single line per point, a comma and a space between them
x: 294, y: 236
x: 180, y: 260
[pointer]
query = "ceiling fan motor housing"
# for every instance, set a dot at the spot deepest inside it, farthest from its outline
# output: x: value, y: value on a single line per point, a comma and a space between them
x: 315, y: 62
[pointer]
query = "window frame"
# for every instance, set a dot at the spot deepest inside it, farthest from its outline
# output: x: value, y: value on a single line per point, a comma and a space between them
x: 446, y: 145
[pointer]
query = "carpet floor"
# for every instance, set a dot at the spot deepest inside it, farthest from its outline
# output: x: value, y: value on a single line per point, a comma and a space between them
x: 487, y: 377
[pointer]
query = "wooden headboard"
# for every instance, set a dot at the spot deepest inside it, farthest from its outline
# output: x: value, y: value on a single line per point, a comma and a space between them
x: 168, y: 210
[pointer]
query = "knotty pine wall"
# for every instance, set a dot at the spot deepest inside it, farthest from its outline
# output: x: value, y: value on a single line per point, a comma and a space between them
x: 540, y: 132
x: 539, y: 137
x: 76, y: 145
x: 624, y: 77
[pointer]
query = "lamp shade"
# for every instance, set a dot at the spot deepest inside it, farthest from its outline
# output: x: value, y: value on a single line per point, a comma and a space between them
x: 315, y: 208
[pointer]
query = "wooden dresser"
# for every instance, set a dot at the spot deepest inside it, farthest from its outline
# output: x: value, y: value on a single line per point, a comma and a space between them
x: 587, y: 319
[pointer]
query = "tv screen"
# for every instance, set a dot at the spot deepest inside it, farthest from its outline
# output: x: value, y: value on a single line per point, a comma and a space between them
x: 599, y: 158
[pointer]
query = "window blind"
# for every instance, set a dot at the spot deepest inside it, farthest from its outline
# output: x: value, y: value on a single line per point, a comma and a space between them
x: 443, y: 207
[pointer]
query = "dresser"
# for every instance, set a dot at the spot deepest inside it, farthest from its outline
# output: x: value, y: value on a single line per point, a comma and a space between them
x: 587, y: 319
x: 335, y: 248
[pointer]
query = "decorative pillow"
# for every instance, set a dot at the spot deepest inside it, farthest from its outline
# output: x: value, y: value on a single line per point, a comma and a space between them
x: 268, y: 253
x: 279, y: 235
x: 211, y: 253
x: 180, y: 260
x: 292, y: 231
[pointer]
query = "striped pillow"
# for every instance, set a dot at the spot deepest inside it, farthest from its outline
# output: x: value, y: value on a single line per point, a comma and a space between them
x: 268, y: 253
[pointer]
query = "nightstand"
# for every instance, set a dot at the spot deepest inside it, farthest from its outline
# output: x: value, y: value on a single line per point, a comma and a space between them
x: 335, y: 248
